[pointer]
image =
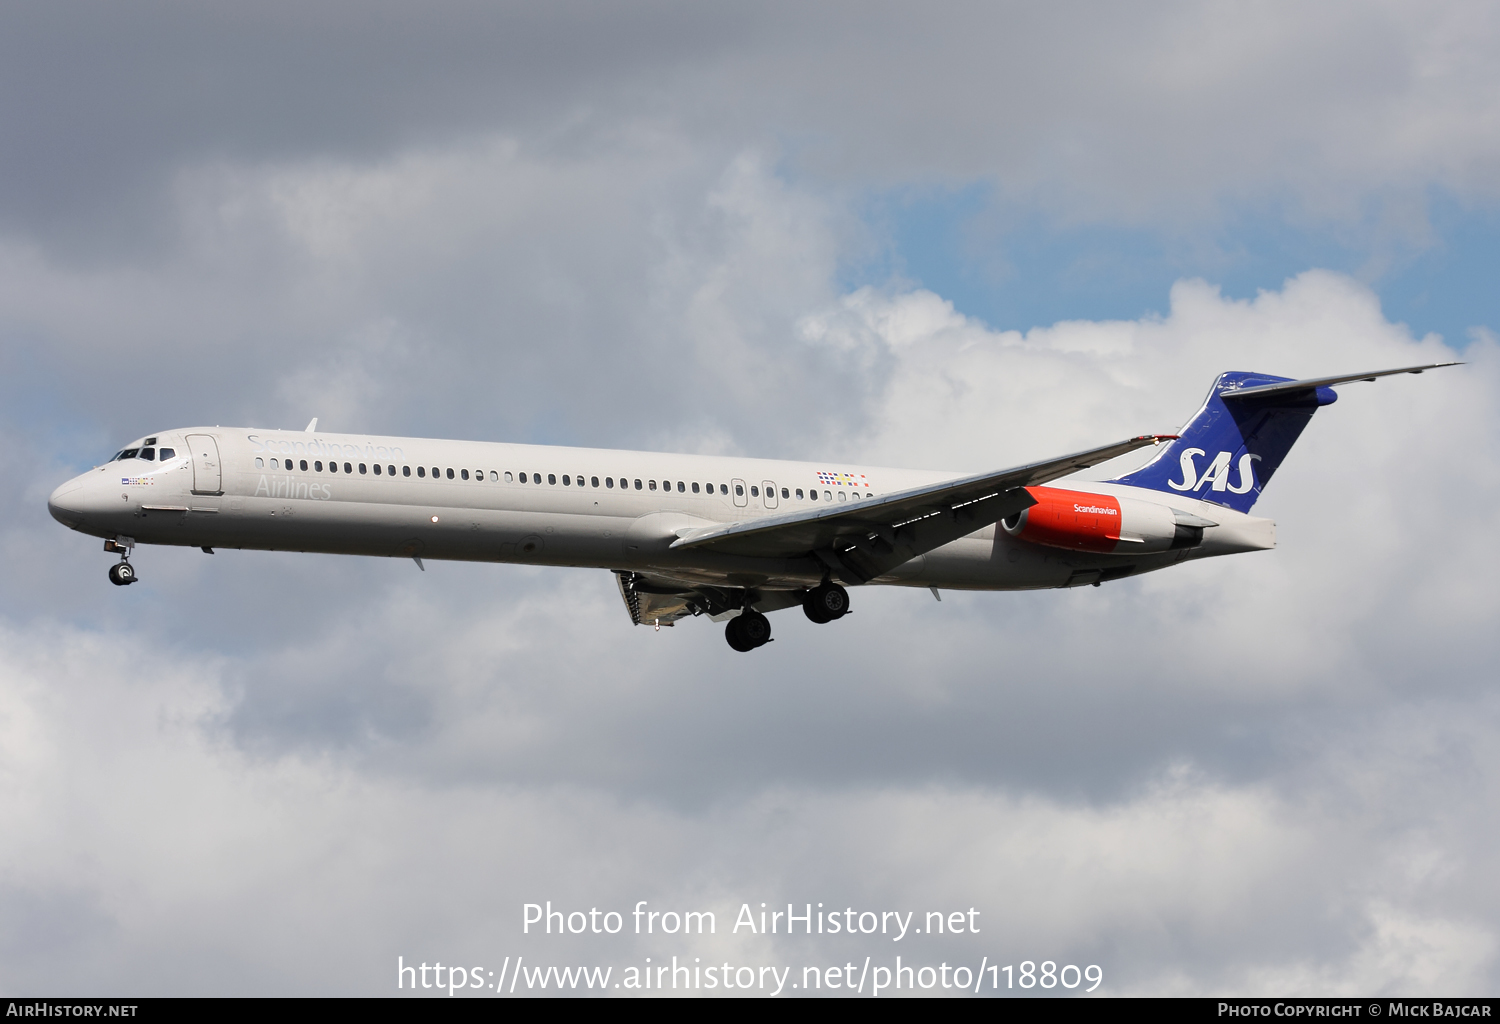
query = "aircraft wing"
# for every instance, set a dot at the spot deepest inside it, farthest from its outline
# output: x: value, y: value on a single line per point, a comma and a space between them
x: 864, y: 539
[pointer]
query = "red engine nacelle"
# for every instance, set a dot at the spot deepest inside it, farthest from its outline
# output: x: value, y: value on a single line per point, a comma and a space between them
x: 1084, y: 521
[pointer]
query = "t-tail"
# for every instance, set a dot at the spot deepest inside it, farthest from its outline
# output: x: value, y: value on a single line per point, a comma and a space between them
x: 1234, y: 444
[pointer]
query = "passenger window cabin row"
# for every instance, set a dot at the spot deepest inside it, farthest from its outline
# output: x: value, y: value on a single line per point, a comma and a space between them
x: 568, y: 480
x: 681, y: 486
x: 292, y: 465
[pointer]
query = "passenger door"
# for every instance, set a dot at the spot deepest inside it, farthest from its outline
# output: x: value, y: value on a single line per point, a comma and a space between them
x: 207, y: 476
x: 769, y: 486
x: 737, y: 489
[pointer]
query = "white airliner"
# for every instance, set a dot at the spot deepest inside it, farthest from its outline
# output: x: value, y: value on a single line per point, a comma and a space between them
x: 690, y: 535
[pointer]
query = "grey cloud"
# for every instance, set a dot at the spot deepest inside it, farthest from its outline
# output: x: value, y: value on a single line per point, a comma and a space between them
x: 268, y: 773
x: 206, y: 859
x: 447, y: 674
x: 1098, y: 110
x: 358, y: 292
x: 103, y: 101
x: 372, y: 650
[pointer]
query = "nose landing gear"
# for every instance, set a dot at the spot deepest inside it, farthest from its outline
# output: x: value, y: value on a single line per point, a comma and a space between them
x: 122, y: 573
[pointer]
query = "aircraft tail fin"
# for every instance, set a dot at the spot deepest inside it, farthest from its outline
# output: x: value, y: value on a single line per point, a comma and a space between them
x: 1232, y: 446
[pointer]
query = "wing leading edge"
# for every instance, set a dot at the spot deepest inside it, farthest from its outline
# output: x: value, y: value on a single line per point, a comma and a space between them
x: 862, y: 541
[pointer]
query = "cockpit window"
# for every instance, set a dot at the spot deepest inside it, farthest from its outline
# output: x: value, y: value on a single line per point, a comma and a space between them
x: 167, y: 453
x: 149, y: 454
x: 129, y: 453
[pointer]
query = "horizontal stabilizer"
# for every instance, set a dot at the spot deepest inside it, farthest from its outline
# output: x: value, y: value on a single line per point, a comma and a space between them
x: 1324, y: 382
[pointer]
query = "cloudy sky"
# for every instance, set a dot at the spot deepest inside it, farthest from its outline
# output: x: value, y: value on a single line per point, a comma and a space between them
x: 955, y: 236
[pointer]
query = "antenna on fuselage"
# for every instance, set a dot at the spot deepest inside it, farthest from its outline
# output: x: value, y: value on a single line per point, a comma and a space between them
x: 312, y: 425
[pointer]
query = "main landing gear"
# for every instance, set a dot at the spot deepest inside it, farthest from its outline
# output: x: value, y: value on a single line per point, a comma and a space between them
x: 826, y: 602
x: 748, y: 630
x: 122, y: 573
x: 823, y: 603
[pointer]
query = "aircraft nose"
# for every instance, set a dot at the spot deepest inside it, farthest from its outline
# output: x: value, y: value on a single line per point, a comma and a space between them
x: 67, y: 503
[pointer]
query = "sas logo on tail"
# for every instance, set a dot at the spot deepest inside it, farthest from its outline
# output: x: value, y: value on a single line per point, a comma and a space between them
x: 1217, y: 473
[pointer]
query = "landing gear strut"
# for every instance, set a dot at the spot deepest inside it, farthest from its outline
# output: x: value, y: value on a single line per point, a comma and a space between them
x: 122, y: 573
x: 826, y: 602
x: 748, y: 630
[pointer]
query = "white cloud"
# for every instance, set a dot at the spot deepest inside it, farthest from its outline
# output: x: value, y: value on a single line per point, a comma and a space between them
x: 1269, y: 773
x: 167, y: 860
x: 272, y: 773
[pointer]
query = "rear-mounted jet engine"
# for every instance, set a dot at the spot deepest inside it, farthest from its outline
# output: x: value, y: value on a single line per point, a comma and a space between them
x: 1084, y: 521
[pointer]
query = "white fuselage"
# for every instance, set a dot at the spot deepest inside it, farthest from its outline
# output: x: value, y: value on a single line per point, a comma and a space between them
x: 618, y: 510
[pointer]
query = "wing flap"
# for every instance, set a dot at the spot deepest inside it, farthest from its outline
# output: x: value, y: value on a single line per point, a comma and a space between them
x: 653, y: 604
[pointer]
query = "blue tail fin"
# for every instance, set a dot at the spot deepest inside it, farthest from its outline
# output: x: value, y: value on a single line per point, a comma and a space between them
x: 1229, y: 450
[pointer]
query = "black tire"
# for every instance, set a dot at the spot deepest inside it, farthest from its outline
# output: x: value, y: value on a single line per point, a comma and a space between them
x: 121, y: 574
x: 735, y: 636
x: 812, y: 609
x: 829, y: 600
x: 755, y: 628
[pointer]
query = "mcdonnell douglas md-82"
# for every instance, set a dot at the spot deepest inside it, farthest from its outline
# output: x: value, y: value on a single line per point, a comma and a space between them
x: 725, y: 537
